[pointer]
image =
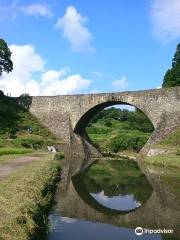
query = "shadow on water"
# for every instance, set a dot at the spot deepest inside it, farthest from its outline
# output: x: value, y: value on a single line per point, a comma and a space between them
x: 81, y: 214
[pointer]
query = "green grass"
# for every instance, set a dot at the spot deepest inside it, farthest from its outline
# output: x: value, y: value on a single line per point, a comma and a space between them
x: 11, y: 157
x: 15, y: 121
x: 171, y: 142
x: 116, y: 138
x: 116, y: 130
x: 25, y: 199
x: 8, y: 150
x: 168, y: 160
x: 113, y: 169
x: 59, y: 156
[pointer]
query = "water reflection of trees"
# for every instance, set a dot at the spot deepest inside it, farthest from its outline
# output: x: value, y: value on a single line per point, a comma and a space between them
x: 161, y: 210
x: 118, y: 178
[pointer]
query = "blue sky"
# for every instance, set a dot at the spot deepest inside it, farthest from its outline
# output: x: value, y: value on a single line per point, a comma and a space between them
x: 81, y: 46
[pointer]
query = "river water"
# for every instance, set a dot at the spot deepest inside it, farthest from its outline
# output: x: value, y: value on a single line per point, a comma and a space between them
x: 109, y: 200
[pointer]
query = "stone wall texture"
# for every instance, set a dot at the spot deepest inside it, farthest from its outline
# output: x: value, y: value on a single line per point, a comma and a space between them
x: 68, y: 115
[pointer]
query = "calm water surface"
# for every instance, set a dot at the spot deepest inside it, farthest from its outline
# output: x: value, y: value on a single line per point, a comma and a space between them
x: 110, y: 199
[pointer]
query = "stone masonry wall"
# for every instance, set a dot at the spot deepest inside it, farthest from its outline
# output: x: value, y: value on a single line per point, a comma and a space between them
x: 162, y: 106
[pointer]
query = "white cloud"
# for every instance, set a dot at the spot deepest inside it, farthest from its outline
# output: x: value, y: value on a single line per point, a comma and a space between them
x: 53, y: 84
x: 101, y: 75
x: 37, y: 10
x: 165, y: 18
x: 14, y: 9
x: 116, y: 84
x: 101, y: 197
x: 120, y: 84
x: 158, y: 87
x: 26, y: 60
x: 27, y: 65
x: 73, y: 26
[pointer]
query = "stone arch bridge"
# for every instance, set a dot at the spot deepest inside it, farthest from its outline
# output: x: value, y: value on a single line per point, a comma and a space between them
x: 67, y: 115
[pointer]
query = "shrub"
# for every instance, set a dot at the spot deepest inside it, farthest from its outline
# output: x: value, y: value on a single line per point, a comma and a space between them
x: 178, y: 153
x: 97, y: 130
x: 8, y: 150
x: 125, y: 141
x: 31, y: 141
x: 59, y: 156
x: 108, y: 122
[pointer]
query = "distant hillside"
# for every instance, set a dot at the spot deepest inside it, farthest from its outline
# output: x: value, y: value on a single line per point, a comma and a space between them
x: 19, y: 128
x: 117, y: 130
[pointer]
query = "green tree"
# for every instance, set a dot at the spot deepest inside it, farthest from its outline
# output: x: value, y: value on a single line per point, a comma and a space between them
x: 172, y: 76
x: 6, y: 65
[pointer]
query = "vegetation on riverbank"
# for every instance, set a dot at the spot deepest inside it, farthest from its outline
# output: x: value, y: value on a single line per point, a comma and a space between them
x: 19, y: 128
x: 172, y: 141
x: 25, y: 199
x: 172, y: 144
x: 164, y: 160
x: 116, y: 130
x: 13, y: 150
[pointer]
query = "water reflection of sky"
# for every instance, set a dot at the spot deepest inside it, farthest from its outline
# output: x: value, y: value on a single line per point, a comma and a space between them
x: 70, y: 228
x: 120, y: 202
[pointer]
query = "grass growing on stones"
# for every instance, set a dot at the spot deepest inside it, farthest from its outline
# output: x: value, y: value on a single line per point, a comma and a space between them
x: 171, y: 142
x: 25, y: 199
x: 168, y: 160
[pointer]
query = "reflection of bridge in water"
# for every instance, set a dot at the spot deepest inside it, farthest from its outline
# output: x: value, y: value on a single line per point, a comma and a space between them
x: 162, y: 210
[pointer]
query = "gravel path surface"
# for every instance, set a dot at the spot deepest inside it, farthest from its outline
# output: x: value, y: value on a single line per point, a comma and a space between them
x: 9, y: 168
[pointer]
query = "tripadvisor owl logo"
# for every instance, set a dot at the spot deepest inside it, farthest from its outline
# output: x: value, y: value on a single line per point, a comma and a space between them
x: 138, y: 231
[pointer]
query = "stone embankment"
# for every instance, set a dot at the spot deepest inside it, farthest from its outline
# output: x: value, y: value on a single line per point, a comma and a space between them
x: 160, y: 151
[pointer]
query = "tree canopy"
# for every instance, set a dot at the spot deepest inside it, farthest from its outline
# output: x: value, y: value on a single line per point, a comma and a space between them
x: 172, y: 76
x: 6, y: 65
x: 136, y: 119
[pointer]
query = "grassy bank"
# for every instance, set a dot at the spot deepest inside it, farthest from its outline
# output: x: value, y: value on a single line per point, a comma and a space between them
x: 164, y: 160
x: 172, y: 144
x: 19, y: 128
x: 13, y: 150
x: 25, y: 199
x: 172, y: 141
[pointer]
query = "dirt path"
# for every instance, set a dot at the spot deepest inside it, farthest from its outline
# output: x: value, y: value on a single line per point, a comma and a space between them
x: 11, y: 167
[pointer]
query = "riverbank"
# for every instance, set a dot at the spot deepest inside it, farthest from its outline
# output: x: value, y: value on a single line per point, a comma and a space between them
x: 26, y: 197
x: 164, y: 160
x: 167, y: 152
x: 130, y: 155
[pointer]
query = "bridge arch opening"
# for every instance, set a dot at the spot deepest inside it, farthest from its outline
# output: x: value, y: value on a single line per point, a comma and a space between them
x: 125, y: 130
